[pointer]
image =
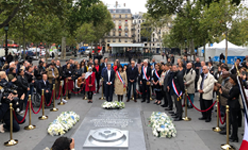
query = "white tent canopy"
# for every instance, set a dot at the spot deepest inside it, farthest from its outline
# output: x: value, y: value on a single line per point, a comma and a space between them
x: 217, y: 48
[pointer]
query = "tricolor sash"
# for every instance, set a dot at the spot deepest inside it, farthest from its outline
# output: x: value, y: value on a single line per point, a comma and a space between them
x: 175, y: 89
x: 120, y: 78
x: 144, y: 74
x: 157, y: 75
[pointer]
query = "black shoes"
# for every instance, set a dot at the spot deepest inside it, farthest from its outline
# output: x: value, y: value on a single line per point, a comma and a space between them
x: 171, y: 112
x: 168, y: 109
x: 164, y: 105
x: 178, y: 119
x: 234, y: 139
x: 143, y: 101
x: 223, y: 132
x: 202, y: 118
x: 208, y: 120
x: 148, y: 101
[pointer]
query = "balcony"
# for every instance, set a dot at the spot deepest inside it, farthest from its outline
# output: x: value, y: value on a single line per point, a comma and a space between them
x: 126, y: 30
x: 119, y: 30
x: 133, y: 29
x: 126, y: 24
x: 133, y: 35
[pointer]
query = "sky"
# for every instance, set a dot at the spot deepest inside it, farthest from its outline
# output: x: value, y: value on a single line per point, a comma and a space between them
x: 136, y: 6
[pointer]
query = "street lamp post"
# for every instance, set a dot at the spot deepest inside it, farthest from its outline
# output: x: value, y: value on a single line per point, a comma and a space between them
x: 6, y: 28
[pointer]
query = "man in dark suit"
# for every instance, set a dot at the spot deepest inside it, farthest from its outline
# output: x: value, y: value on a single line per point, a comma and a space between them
x: 44, y: 84
x: 132, y: 75
x: 167, y: 91
x: 172, y: 59
x: 108, y: 82
x: 145, y: 81
x: 178, y: 90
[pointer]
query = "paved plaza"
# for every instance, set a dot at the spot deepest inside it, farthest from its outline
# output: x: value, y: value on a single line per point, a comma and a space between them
x: 192, y: 135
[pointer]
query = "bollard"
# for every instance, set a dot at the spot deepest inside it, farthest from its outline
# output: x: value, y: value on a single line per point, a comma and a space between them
x: 227, y: 146
x: 66, y: 89
x: 102, y: 98
x: 54, y: 109
x: 11, y: 142
x: 151, y: 99
x: 186, y: 118
x: 30, y: 126
x: 217, y: 128
x: 43, y: 117
x: 61, y: 95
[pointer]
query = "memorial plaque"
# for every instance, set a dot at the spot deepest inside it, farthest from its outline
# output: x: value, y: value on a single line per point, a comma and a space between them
x: 118, y: 127
x: 107, y: 138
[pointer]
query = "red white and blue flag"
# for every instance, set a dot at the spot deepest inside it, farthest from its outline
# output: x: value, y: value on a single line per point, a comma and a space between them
x: 157, y: 75
x: 120, y: 78
x: 244, y: 93
x: 175, y: 89
x: 144, y: 74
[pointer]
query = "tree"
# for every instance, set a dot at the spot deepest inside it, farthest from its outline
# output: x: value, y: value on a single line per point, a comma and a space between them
x: 219, y: 17
x: 10, y: 8
x: 146, y: 31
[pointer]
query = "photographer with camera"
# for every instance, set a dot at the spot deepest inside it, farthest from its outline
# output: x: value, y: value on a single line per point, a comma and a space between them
x: 23, y: 88
x: 11, y: 98
x: 38, y: 71
x: 29, y: 76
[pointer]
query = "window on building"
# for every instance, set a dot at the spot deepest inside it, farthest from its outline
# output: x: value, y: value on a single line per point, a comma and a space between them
x: 126, y: 28
x: 126, y: 16
x: 143, y: 20
x: 114, y: 21
x: 139, y: 21
x: 153, y: 44
x: 125, y: 21
x: 126, y: 40
x: 138, y: 40
x: 113, y: 40
x: 113, y: 33
x: 119, y: 21
x: 120, y: 34
x: 113, y: 16
x: 108, y: 40
x: 119, y: 40
x: 138, y: 31
x: 120, y: 16
x: 138, y: 35
x: 126, y: 34
x: 158, y: 44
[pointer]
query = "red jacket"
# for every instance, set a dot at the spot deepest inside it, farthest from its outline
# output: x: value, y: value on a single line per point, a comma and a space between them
x: 90, y: 80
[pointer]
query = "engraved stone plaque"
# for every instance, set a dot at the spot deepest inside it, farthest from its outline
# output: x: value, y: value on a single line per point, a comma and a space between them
x: 107, y: 138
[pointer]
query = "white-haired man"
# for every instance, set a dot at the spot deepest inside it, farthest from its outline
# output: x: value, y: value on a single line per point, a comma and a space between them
x: 145, y: 79
x: 205, y: 87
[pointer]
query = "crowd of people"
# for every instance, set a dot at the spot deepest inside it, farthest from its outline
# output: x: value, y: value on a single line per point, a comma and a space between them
x: 166, y: 80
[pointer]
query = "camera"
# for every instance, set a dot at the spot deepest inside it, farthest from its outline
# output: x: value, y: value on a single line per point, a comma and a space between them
x: 7, y: 89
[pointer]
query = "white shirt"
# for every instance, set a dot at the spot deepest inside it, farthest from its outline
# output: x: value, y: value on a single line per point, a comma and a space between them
x: 53, y: 72
x: 109, y: 74
x: 44, y: 82
x: 144, y: 73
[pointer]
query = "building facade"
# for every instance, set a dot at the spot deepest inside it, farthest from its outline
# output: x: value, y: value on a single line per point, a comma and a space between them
x: 122, y: 32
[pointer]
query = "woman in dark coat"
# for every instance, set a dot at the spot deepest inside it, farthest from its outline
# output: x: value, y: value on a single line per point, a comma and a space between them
x: 234, y: 106
x: 77, y: 72
x: 23, y: 86
x: 68, y: 74
x: 157, y: 88
x: 90, y: 84
x: 83, y: 66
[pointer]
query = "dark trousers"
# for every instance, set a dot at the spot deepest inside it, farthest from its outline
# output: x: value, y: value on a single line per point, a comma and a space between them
x: 178, y: 104
x: 98, y: 83
x: 90, y: 95
x: 159, y: 95
x: 109, y: 92
x: 16, y: 126
x: 145, y: 91
x: 205, y: 104
x: 167, y: 99
x: 234, y: 121
x: 47, y: 97
x: 130, y: 85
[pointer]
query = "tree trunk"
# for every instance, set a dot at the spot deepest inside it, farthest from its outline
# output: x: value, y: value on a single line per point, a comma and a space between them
x: 36, y: 51
x: 24, y: 45
x: 63, y: 48
x: 46, y: 54
x: 226, y: 52
x: 204, y: 46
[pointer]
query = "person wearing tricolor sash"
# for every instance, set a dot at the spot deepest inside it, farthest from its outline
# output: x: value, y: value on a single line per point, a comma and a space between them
x: 145, y: 81
x: 120, y: 82
x: 157, y: 87
x: 178, y: 89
